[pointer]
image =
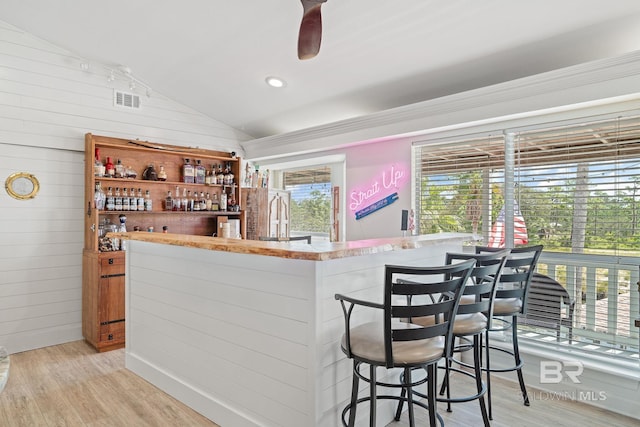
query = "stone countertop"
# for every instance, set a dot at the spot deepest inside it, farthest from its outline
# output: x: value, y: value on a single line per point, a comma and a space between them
x: 316, y: 251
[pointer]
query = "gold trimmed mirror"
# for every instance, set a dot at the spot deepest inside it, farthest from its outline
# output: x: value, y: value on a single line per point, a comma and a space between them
x: 22, y: 185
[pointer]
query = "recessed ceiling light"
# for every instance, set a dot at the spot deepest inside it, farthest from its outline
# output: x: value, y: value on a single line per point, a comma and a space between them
x: 275, y: 82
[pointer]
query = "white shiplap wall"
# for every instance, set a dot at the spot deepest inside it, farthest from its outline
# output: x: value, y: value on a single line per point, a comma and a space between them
x: 47, y: 104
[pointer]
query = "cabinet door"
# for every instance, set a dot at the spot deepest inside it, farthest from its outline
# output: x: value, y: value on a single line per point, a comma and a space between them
x: 278, y: 213
x: 111, y: 300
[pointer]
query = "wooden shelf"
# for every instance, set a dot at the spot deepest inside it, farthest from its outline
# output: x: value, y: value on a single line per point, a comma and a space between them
x: 124, y: 182
x: 213, y: 213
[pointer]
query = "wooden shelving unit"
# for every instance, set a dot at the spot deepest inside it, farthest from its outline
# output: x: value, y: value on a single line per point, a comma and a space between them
x: 104, y: 272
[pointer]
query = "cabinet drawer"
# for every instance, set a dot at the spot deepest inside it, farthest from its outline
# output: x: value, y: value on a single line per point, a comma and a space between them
x: 111, y: 265
x: 112, y: 332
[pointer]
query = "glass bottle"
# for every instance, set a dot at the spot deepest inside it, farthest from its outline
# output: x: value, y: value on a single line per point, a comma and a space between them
x: 123, y: 229
x: 118, y: 199
x: 220, y: 177
x: 109, y: 168
x: 185, y: 200
x: 231, y: 202
x: 188, y: 207
x: 119, y: 169
x: 214, y: 176
x: 125, y: 200
x: 98, y: 167
x: 110, y: 203
x: 140, y: 200
x: 200, y: 172
x: 228, y: 175
x: 99, y: 197
x: 207, y: 178
x: 203, y: 202
x: 223, y: 201
x: 148, y: 203
x: 177, y: 200
x: 207, y: 202
x: 195, y: 202
x: 162, y: 174
x: 168, y: 202
x: 215, y: 205
x: 188, y: 173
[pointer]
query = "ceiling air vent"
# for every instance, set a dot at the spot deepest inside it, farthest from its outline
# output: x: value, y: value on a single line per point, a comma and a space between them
x: 126, y: 100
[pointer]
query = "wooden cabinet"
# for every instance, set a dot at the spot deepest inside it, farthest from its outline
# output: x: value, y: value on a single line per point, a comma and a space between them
x: 254, y: 202
x: 103, y: 299
x: 267, y: 212
x: 104, y: 271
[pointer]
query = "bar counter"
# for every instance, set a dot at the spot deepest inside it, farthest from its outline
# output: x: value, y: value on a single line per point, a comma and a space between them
x: 247, y: 332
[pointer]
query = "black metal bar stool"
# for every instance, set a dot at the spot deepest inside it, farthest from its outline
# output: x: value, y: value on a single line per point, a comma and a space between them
x: 470, y: 322
x: 511, y: 301
x: 396, y: 343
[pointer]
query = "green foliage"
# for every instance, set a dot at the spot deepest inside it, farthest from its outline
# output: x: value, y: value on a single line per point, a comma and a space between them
x: 312, y: 214
x: 612, y: 221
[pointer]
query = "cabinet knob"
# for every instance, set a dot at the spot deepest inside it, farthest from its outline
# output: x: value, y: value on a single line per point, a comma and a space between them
x: 110, y: 260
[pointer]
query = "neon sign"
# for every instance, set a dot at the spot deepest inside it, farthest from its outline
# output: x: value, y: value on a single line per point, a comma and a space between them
x: 381, y: 192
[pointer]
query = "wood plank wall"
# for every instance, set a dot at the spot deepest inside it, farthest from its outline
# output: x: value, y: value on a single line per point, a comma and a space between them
x: 47, y: 104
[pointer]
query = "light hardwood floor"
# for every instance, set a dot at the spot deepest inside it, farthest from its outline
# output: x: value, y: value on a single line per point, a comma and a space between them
x: 72, y: 385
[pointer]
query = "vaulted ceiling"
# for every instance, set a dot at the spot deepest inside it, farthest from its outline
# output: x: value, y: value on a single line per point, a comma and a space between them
x: 214, y: 55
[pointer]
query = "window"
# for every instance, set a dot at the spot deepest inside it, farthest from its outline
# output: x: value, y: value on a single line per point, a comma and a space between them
x: 577, y: 188
x: 310, y: 201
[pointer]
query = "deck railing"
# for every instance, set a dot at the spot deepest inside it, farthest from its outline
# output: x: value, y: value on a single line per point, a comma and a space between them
x: 606, y: 292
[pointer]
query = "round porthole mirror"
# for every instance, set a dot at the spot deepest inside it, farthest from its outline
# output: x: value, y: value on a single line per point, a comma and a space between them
x: 22, y: 186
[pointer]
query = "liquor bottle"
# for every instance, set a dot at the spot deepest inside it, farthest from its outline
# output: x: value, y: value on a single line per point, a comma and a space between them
x: 207, y: 178
x: 99, y: 197
x: 110, y: 203
x: 118, y: 199
x: 214, y: 176
x: 109, y: 168
x: 148, y: 203
x: 119, y: 169
x: 220, y: 177
x: 125, y: 200
x: 185, y: 200
x: 203, y: 202
x: 223, y: 201
x: 98, y: 167
x: 188, y: 173
x: 215, y: 205
x: 231, y: 202
x: 168, y: 202
x: 123, y: 229
x: 200, y: 172
x: 228, y: 176
x: 177, y: 200
x: 140, y: 200
x: 162, y: 174
x: 195, y: 202
x: 207, y: 202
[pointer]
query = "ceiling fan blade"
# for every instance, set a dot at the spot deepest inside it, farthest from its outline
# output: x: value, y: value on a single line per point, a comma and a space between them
x: 310, y: 34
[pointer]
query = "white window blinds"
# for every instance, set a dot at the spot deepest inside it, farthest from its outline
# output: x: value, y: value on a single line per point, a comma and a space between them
x: 577, y: 187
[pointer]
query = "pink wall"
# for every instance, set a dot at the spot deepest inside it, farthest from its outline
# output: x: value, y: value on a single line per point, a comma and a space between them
x: 375, y: 171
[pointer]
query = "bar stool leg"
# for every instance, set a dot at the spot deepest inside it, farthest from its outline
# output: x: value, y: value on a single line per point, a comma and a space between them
x: 488, y: 370
x: 372, y: 395
x: 477, y: 365
x: 516, y: 356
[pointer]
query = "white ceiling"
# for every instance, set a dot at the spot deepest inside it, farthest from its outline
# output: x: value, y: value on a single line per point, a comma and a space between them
x: 214, y: 55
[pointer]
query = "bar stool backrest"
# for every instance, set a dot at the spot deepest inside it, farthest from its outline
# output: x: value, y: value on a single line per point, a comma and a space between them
x: 517, y: 273
x: 484, y: 280
x: 448, y: 281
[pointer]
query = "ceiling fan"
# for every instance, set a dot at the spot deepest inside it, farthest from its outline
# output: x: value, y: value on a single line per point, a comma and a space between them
x: 310, y: 29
